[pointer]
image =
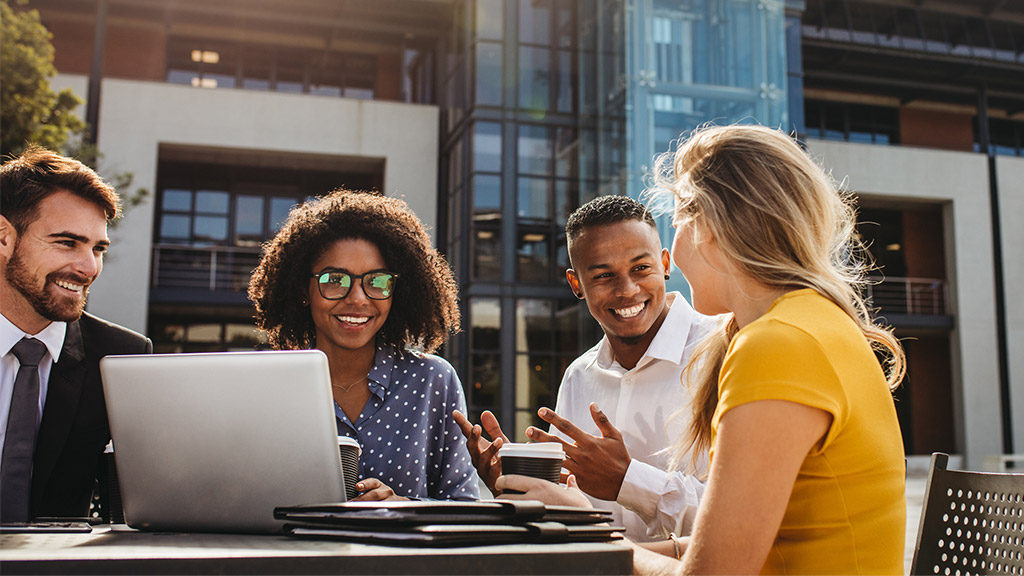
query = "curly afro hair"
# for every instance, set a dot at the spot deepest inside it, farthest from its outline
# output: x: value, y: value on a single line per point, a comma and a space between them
x: 424, y: 309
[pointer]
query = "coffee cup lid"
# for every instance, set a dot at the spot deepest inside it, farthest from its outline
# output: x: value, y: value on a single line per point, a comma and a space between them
x: 533, y: 450
x: 346, y: 441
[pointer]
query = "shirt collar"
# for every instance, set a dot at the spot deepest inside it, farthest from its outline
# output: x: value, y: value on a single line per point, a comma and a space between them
x: 52, y: 336
x: 383, y: 367
x: 667, y: 343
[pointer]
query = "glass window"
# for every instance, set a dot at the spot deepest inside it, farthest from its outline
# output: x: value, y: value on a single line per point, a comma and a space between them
x: 535, y: 150
x: 487, y: 252
x: 565, y: 201
x: 243, y: 336
x: 487, y: 147
x: 486, y: 198
x: 489, y: 19
x: 485, y: 315
x: 484, y: 383
x: 565, y: 82
x: 177, y: 200
x: 534, y: 199
x: 279, y: 208
x: 174, y: 227
x: 489, y: 74
x: 567, y: 327
x: 204, y: 333
x: 211, y: 202
x: 534, y: 329
x: 533, y: 389
x: 534, y: 78
x: 534, y: 264
x: 535, y: 21
x: 566, y: 152
x: 249, y: 216
x: 213, y: 228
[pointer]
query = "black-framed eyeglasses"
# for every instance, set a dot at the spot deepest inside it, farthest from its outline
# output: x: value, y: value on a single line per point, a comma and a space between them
x: 335, y: 285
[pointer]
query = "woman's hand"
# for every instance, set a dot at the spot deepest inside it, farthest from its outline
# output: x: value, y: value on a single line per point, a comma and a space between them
x: 373, y: 490
x: 547, y: 492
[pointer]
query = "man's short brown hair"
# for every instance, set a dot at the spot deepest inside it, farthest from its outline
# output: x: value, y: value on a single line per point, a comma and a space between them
x: 37, y: 173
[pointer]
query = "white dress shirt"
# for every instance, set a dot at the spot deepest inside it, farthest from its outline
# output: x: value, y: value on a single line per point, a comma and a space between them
x: 53, y: 337
x: 644, y: 405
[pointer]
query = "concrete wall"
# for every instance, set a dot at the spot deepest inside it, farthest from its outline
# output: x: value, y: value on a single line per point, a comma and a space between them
x: 136, y: 117
x: 960, y: 180
x: 1011, y: 209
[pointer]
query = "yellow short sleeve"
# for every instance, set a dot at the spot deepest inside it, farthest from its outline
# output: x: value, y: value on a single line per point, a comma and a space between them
x: 774, y: 360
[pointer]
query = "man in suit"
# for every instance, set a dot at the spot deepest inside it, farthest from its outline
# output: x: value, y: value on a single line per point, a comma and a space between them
x: 54, y: 213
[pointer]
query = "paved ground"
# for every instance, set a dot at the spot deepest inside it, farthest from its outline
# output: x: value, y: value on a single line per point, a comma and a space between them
x: 915, y: 499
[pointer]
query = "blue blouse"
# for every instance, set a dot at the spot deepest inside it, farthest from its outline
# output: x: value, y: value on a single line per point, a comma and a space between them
x: 409, y: 439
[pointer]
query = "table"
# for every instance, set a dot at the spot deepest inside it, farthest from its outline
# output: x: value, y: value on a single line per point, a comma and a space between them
x: 122, y: 550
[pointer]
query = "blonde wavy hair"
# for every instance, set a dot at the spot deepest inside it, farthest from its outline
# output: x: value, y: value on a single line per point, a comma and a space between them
x: 782, y: 220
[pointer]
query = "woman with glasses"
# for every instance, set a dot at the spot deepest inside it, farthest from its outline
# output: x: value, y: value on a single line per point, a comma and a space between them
x: 353, y: 274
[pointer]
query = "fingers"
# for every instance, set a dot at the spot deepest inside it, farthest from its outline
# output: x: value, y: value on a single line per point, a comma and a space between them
x: 571, y: 481
x: 538, y: 435
x: 373, y: 490
x: 490, y: 423
x: 463, y: 422
x: 603, y: 424
x: 563, y: 425
x: 518, y: 483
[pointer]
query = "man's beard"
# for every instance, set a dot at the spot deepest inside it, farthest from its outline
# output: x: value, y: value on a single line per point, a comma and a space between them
x: 55, y: 308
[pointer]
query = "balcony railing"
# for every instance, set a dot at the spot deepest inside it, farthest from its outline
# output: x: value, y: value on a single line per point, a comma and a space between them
x: 912, y: 296
x: 214, y: 268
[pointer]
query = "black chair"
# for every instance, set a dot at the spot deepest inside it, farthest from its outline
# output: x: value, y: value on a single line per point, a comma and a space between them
x: 971, y: 523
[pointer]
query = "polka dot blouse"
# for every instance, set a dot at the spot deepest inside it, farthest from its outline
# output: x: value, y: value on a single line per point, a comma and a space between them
x: 409, y: 439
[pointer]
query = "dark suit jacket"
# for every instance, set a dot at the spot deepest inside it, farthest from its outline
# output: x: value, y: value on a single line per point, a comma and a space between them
x: 74, y: 429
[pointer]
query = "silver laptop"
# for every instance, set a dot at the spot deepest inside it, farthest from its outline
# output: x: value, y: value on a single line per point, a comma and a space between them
x: 214, y: 442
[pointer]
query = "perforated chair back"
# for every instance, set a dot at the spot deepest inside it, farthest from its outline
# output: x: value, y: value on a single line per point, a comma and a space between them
x: 971, y: 523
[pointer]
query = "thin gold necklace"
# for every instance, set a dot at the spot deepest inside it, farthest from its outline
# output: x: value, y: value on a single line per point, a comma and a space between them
x: 345, y: 389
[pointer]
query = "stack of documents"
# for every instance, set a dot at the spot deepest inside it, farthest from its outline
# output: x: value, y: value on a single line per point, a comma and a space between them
x: 448, y: 523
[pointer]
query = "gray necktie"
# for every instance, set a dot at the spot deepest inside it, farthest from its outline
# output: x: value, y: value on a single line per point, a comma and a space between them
x: 20, y: 442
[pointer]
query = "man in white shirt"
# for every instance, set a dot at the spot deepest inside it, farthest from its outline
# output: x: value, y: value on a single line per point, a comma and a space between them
x: 633, y: 375
x: 53, y: 421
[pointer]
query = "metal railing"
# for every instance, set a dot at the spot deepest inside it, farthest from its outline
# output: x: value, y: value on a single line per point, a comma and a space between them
x: 214, y: 268
x: 919, y: 296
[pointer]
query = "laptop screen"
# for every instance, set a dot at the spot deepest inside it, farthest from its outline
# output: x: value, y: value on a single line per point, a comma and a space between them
x: 214, y: 442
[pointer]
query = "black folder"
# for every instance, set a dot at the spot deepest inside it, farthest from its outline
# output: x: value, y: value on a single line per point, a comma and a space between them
x: 439, y: 512
x: 448, y: 523
x: 460, y: 534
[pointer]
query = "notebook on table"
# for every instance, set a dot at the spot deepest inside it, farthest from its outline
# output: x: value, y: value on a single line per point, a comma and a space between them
x: 214, y: 442
x: 447, y: 523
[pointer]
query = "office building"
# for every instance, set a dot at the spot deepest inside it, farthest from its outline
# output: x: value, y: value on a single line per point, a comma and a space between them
x: 495, y: 119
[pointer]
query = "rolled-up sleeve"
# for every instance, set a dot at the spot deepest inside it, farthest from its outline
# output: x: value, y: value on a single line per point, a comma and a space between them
x: 666, y: 501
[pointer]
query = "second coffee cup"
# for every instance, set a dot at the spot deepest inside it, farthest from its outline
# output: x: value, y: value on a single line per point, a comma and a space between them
x: 350, y: 451
x: 535, y: 459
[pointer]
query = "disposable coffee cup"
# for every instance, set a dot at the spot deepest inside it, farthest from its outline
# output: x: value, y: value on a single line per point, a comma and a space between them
x: 535, y: 459
x: 350, y: 452
x: 115, y: 510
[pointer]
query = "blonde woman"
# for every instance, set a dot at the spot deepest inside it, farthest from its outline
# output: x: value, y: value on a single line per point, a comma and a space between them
x: 807, y: 470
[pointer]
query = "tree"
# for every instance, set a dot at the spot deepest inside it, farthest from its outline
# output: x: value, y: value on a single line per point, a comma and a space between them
x: 30, y: 110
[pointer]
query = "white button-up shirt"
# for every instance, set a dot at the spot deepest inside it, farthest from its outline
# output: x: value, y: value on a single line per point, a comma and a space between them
x: 53, y: 337
x: 651, y: 408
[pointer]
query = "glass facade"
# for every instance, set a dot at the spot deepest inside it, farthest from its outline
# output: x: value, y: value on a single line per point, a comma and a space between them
x: 524, y: 136
x: 538, y: 95
x: 691, y: 62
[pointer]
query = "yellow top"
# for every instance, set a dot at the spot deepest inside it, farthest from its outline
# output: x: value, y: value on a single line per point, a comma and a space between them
x: 847, y: 512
